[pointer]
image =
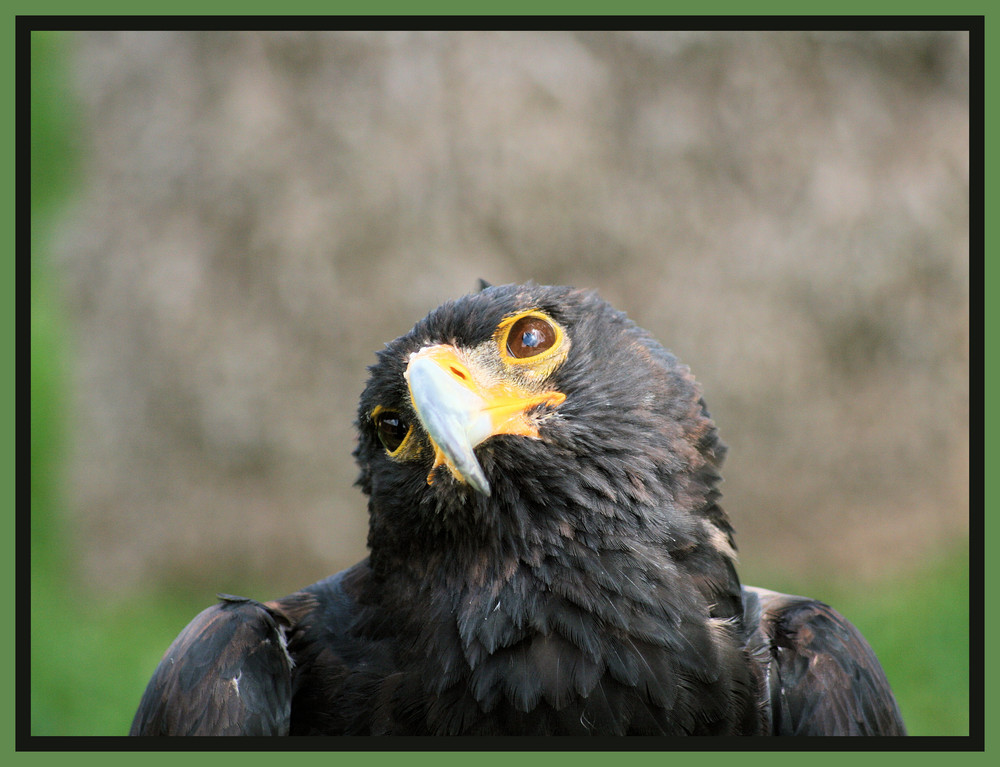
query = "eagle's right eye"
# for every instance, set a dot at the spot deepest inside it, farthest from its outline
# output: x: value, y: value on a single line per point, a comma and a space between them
x: 391, y: 428
x: 529, y: 336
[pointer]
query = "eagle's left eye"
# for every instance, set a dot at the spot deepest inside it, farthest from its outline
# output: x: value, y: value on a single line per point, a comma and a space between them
x: 529, y: 336
x: 392, y: 429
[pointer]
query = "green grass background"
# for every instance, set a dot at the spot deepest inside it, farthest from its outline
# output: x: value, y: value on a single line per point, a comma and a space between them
x: 90, y: 659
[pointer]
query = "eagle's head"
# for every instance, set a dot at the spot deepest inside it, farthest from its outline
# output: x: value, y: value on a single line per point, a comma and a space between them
x: 524, y: 413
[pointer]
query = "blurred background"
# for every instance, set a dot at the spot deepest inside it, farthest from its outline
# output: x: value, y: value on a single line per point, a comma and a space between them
x: 226, y: 226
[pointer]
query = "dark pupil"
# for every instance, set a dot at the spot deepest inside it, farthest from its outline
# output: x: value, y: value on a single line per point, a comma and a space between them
x: 530, y: 336
x: 392, y: 429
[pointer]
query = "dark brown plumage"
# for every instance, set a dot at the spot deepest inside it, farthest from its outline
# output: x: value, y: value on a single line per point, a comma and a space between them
x: 548, y: 556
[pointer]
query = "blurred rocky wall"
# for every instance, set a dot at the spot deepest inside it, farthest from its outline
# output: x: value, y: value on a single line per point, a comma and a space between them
x: 788, y: 212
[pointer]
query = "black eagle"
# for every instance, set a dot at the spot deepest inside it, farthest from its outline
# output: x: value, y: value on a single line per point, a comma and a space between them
x: 548, y: 556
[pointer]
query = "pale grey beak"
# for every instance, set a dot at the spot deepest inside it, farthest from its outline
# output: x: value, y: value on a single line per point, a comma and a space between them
x: 453, y: 415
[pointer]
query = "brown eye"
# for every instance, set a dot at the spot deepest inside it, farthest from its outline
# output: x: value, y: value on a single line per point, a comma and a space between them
x: 392, y: 429
x: 529, y: 336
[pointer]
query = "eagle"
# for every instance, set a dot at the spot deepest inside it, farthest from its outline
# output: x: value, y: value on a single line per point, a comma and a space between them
x: 547, y: 556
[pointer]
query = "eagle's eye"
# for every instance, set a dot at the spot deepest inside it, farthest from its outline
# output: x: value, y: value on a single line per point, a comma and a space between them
x: 529, y: 336
x: 392, y: 429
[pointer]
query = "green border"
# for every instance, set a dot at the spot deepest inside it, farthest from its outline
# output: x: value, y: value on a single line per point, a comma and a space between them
x: 56, y: 8
x: 642, y: 6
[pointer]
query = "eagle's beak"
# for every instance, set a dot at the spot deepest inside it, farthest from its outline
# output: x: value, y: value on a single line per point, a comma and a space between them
x: 460, y: 405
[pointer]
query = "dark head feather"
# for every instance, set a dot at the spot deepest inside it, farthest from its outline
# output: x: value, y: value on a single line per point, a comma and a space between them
x: 631, y: 456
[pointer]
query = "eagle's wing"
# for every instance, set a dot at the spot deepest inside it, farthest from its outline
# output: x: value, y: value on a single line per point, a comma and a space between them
x: 823, y: 677
x: 227, y: 673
